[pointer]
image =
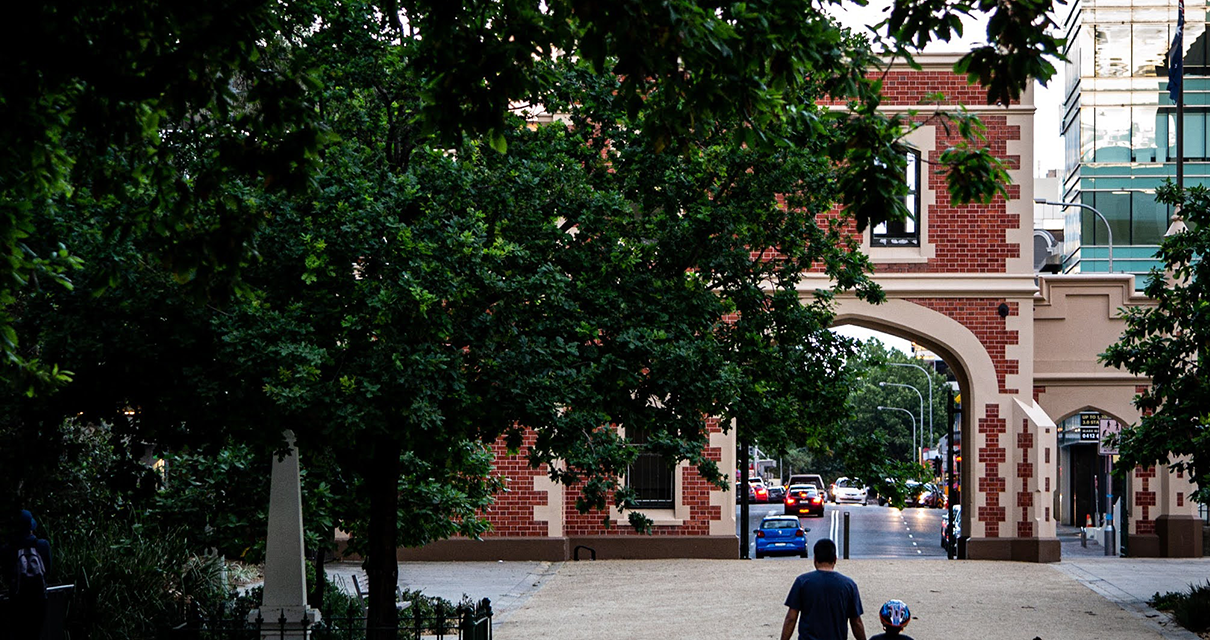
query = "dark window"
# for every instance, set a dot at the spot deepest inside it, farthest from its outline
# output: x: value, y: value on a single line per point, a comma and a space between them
x: 906, y: 232
x: 650, y: 476
x: 1135, y: 216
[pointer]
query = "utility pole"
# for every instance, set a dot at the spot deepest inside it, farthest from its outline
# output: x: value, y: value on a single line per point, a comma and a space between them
x: 951, y: 411
x: 742, y: 488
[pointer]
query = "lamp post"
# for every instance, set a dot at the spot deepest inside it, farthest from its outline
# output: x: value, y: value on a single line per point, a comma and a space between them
x: 918, y: 395
x: 1090, y: 208
x: 913, y: 418
x: 928, y: 378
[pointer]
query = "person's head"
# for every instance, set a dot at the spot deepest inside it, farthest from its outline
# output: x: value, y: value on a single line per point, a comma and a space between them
x: 825, y: 552
x: 24, y: 523
x: 894, y: 616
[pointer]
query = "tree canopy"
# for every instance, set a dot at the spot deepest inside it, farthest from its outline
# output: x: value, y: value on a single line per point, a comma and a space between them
x: 419, y: 268
x: 1168, y: 343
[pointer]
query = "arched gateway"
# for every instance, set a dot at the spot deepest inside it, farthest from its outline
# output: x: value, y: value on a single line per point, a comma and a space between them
x: 960, y: 281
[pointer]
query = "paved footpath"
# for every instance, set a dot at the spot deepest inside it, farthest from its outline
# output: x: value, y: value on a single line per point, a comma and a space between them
x: 1082, y: 598
x: 727, y: 599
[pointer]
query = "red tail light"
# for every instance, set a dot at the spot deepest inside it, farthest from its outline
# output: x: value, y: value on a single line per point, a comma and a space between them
x: 800, y: 533
x: 816, y: 500
x: 760, y: 534
x: 789, y: 501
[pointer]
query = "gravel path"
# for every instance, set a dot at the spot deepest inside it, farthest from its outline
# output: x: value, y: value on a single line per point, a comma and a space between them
x: 729, y: 599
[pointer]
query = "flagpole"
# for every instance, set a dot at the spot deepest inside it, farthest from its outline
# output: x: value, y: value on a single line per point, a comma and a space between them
x: 1176, y: 75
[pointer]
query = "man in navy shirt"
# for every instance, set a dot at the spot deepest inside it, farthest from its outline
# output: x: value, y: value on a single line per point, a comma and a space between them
x: 27, y: 611
x: 826, y: 600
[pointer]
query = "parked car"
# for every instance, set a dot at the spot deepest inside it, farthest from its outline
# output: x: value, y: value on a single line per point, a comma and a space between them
x: 957, y: 525
x: 781, y: 534
x: 802, y: 499
x: 849, y: 490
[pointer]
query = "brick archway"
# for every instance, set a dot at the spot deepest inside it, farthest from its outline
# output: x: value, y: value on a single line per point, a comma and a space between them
x: 1008, y: 442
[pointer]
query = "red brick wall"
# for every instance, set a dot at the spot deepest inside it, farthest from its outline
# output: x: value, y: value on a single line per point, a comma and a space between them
x: 990, y: 482
x: 981, y: 317
x: 695, y: 493
x: 1025, y: 472
x: 1144, y: 500
x: 512, y: 515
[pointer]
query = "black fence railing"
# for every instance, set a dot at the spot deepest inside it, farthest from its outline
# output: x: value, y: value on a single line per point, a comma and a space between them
x: 461, y: 622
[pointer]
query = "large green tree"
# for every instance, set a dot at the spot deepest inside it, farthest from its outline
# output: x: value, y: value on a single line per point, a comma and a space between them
x: 1169, y: 343
x: 432, y: 292
x: 100, y: 94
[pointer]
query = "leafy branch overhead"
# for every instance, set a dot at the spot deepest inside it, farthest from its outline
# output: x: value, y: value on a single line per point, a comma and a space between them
x: 327, y: 178
x: 1168, y: 343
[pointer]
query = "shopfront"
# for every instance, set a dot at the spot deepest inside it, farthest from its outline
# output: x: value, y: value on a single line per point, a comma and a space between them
x: 1086, y: 490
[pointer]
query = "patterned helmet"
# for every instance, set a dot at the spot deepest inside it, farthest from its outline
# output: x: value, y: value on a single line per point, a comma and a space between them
x: 894, y: 614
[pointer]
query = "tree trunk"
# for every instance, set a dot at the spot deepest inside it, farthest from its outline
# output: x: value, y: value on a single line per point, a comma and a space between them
x: 381, y: 566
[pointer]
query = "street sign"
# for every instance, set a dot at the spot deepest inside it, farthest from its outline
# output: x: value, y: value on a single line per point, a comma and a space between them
x: 1090, y: 419
x: 1108, y: 427
x: 1090, y: 434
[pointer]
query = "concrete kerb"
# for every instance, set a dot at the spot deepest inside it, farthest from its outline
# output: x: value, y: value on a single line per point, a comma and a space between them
x: 507, y: 584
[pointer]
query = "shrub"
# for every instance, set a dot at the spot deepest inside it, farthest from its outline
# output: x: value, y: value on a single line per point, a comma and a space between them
x: 131, y: 583
x: 1191, y: 608
x: 1193, y: 611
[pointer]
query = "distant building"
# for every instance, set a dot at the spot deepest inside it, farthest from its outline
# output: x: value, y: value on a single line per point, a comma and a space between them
x: 1119, y: 127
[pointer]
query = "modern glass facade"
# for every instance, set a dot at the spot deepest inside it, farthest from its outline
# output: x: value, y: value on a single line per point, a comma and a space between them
x: 1119, y: 126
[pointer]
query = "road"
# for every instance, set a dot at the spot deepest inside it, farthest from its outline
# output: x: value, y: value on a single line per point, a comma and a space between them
x: 874, y: 531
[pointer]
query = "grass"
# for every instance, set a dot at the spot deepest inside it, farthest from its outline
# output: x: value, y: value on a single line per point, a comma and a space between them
x: 1190, y: 608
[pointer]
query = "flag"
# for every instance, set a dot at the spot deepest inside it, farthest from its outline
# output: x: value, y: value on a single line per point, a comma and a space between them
x: 1176, y: 55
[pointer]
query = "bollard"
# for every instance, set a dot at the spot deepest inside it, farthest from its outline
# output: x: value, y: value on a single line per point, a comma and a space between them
x: 1109, y: 542
x: 1083, y: 537
x: 846, y: 535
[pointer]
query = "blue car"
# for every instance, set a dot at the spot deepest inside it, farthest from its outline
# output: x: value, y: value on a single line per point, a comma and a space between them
x: 781, y: 534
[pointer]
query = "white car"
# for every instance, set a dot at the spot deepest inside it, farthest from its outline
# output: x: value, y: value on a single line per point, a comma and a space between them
x: 849, y: 490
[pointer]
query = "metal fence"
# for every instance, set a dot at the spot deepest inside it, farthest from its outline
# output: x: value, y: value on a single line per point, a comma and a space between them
x: 462, y: 622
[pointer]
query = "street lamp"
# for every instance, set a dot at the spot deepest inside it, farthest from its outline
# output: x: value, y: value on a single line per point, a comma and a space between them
x: 1090, y: 208
x: 918, y: 395
x: 927, y: 378
x: 882, y: 408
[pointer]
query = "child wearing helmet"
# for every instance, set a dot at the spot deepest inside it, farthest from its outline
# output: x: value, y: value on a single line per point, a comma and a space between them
x: 894, y: 616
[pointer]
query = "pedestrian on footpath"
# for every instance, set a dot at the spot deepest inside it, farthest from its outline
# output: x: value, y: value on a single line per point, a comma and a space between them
x: 826, y: 600
x: 894, y: 616
x: 25, y: 561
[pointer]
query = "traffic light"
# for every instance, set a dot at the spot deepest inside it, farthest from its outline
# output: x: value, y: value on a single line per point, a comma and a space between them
x: 936, y: 466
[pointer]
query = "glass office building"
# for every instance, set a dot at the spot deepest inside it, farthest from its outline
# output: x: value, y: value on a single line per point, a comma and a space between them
x: 1119, y: 126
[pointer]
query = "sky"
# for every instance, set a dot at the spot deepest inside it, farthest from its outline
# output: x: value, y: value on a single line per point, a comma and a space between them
x: 863, y: 334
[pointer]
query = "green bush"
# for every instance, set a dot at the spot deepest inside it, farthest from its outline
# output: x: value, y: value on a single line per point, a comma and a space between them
x: 131, y: 583
x: 1190, y: 608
